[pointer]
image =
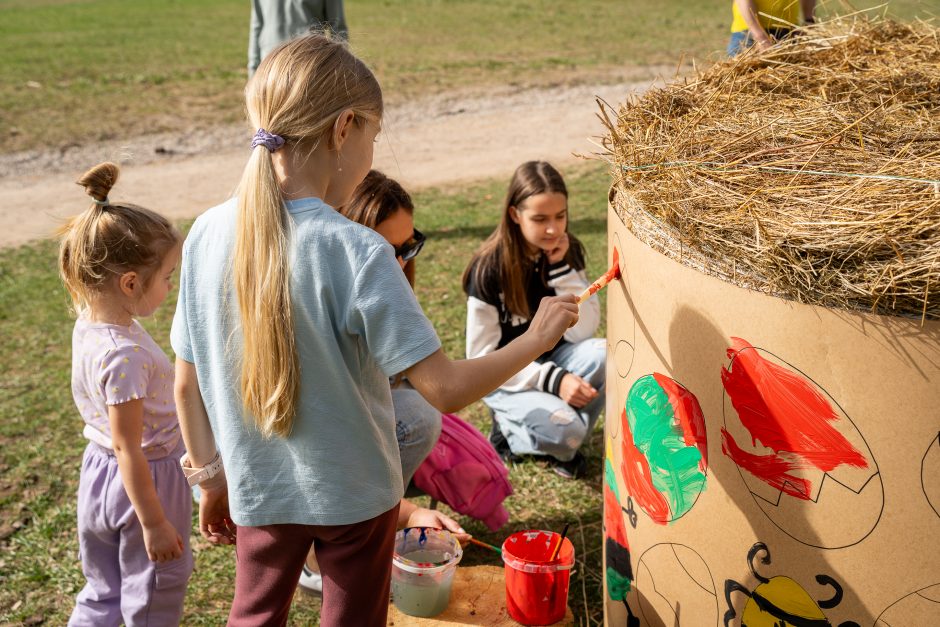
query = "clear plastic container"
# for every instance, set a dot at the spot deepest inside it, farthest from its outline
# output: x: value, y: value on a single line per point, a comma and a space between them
x: 423, y: 568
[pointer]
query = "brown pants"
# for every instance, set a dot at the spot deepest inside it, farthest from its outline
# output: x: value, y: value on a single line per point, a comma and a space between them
x: 355, y: 561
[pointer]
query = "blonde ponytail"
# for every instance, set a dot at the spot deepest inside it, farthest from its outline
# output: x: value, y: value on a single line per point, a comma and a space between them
x: 297, y: 93
x: 270, y: 370
x: 108, y: 239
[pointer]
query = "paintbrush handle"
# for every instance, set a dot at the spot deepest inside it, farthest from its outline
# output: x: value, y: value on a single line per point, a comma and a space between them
x: 601, y: 283
x: 486, y: 546
x: 561, y: 540
x: 594, y: 288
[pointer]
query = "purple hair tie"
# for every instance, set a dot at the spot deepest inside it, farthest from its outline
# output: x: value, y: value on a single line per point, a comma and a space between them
x: 269, y: 140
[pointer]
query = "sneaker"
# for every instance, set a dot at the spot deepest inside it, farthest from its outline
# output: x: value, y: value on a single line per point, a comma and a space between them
x: 311, y: 582
x: 573, y: 469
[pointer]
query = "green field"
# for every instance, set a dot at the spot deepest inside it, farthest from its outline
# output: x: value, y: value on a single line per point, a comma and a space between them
x: 41, y: 443
x: 85, y: 70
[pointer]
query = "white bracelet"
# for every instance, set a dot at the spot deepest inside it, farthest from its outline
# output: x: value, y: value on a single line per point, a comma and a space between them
x: 198, y: 475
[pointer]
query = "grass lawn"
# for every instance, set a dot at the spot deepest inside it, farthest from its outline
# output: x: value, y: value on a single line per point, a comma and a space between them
x: 41, y: 443
x: 84, y: 70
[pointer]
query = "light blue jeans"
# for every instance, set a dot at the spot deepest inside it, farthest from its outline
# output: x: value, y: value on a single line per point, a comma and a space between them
x: 539, y: 423
x: 742, y: 40
x: 417, y: 427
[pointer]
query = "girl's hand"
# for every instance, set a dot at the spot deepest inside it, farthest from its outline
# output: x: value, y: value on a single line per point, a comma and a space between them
x: 558, y: 253
x: 215, y: 524
x: 576, y: 391
x: 554, y: 316
x: 162, y: 541
x: 423, y: 517
x: 764, y: 43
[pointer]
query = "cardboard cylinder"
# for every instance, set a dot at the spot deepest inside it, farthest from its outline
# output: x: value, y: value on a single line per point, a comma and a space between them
x: 767, y: 462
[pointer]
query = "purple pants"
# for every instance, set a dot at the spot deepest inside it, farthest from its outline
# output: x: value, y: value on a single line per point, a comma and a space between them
x: 123, y: 585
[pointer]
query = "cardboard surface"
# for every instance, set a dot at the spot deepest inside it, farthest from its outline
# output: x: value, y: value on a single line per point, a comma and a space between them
x: 812, y: 485
x: 478, y: 597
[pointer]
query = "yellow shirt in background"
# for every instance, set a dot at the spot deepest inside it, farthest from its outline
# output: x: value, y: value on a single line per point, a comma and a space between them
x: 787, y: 13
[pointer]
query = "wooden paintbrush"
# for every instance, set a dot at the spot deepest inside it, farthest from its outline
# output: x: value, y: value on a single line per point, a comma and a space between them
x: 486, y: 546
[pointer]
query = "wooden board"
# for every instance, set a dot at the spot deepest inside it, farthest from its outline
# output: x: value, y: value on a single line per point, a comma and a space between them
x: 478, y: 597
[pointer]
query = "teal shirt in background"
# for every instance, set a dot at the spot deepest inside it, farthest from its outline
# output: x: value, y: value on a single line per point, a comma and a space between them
x: 357, y: 322
x: 275, y: 21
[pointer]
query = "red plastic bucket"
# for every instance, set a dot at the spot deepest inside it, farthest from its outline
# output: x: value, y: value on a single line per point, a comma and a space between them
x: 537, y: 588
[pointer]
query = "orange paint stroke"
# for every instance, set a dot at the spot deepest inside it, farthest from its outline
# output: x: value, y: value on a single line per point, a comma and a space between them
x: 638, y: 478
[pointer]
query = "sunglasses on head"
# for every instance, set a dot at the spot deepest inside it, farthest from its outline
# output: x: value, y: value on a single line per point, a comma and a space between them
x: 410, y: 249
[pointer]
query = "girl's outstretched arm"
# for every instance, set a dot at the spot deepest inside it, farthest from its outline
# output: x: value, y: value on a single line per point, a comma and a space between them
x: 162, y: 541
x: 214, y: 521
x: 452, y: 385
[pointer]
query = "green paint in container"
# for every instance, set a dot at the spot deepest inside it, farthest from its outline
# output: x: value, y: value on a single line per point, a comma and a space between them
x: 423, y: 568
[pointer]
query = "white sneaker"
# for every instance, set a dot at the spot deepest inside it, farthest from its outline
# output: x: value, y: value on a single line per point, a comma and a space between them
x: 311, y: 582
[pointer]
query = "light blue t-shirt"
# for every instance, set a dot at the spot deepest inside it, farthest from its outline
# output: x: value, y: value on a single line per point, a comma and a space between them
x: 356, y: 322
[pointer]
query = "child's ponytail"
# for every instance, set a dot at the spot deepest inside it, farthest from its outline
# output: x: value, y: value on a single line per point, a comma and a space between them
x: 293, y: 100
x: 270, y: 380
x: 108, y: 239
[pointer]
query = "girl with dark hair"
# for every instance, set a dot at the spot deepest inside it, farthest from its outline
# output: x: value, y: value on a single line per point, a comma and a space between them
x: 548, y: 408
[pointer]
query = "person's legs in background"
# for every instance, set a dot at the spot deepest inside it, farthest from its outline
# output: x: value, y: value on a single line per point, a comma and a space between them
x: 739, y: 42
x: 588, y: 360
x: 539, y: 423
x: 417, y: 427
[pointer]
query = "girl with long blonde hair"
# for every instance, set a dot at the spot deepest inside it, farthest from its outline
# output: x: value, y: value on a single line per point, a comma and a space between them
x: 290, y: 320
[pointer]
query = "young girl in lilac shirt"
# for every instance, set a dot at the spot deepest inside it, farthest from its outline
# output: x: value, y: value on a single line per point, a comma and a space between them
x: 134, y: 504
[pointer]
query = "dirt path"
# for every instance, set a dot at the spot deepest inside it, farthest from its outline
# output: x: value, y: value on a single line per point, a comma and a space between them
x: 428, y: 143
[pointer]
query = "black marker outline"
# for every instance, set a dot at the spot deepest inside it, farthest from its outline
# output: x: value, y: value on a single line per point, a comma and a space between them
x: 923, y: 481
x: 880, y: 621
x: 757, y: 499
x: 672, y: 546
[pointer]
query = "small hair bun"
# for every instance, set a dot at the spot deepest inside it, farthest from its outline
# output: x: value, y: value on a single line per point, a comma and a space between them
x: 99, y: 180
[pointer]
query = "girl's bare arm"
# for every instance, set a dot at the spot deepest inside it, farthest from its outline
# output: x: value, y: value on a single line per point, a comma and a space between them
x: 162, y: 541
x: 214, y: 519
x: 452, y: 385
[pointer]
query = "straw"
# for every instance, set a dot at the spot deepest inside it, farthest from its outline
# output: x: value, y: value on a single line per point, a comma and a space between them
x: 561, y: 540
x: 486, y: 546
x: 810, y: 171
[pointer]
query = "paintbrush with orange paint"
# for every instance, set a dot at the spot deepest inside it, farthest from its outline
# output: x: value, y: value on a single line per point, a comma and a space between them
x: 611, y: 275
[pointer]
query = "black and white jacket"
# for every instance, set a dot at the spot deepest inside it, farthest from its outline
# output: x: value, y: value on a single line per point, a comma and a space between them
x: 490, y: 325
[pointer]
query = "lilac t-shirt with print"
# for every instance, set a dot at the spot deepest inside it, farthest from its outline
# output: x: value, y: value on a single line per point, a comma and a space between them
x: 114, y: 364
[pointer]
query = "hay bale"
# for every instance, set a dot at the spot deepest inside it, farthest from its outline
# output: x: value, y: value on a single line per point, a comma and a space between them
x: 810, y: 172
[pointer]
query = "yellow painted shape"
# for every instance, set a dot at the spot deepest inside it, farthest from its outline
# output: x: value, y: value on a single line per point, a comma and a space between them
x: 785, y: 594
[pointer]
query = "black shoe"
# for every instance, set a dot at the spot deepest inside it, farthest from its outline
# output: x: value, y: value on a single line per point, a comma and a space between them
x: 574, y: 469
x: 499, y: 442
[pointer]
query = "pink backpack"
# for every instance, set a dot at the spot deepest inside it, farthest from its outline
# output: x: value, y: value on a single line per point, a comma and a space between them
x: 464, y: 471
